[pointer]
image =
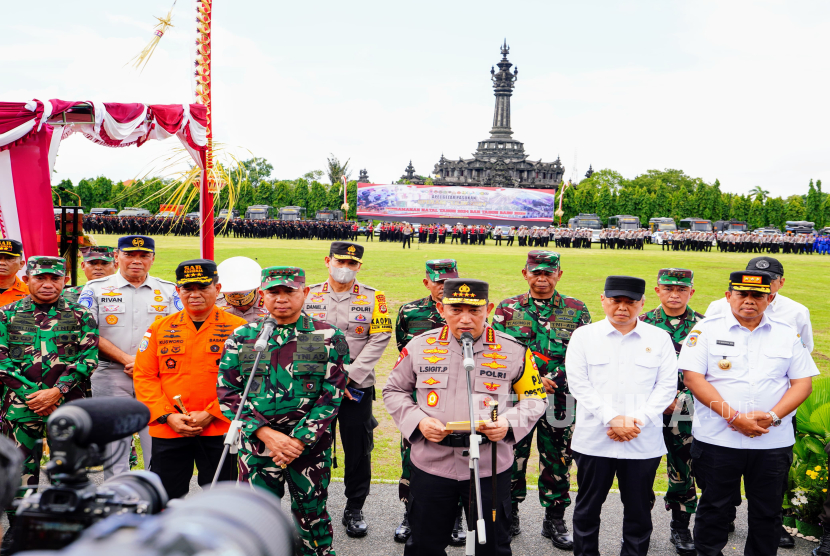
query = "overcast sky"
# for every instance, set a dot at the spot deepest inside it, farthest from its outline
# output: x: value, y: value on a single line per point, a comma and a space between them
x: 733, y: 90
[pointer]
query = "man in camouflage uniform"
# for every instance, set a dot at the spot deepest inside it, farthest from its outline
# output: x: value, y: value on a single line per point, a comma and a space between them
x: 48, y: 347
x: 97, y: 263
x: 415, y: 318
x: 543, y: 320
x: 286, y: 422
x: 674, y: 288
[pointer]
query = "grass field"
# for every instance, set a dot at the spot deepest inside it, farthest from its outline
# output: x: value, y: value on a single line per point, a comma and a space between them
x: 399, y: 275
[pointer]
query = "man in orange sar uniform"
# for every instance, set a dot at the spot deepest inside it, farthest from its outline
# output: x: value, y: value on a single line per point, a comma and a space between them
x: 179, y: 356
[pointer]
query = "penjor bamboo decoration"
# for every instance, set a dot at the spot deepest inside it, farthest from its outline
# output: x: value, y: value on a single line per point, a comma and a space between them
x: 141, y: 59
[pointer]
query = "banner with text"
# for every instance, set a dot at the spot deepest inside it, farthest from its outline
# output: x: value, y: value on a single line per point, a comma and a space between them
x: 431, y: 201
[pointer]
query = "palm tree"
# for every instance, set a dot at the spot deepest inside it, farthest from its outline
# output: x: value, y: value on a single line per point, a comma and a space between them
x: 759, y: 193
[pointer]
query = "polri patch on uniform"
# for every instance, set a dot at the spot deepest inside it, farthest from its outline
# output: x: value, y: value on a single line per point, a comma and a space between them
x: 725, y: 343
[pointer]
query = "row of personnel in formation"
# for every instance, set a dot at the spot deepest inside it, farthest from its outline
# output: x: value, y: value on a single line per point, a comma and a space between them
x: 742, y: 370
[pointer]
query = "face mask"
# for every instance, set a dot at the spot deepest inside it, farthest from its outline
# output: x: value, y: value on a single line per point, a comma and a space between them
x: 342, y: 275
x: 240, y: 299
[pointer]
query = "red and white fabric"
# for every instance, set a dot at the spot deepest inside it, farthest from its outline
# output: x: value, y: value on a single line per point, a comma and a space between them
x: 29, y: 146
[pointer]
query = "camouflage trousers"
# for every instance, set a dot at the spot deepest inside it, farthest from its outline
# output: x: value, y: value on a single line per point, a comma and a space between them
x: 26, y: 435
x: 554, y: 444
x: 311, y: 473
x: 681, y: 494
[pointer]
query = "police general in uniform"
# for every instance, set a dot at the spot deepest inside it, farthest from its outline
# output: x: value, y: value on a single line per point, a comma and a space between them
x: 543, y: 320
x: 298, y: 390
x: 675, y: 286
x: 179, y: 356
x: 623, y: 374
x: 749, y: 372
x: 431, y: 365
x: 48, y: 347
x: 414, y: 318
x: 125, y: 305
x: 98, y: 263
x: 362, y: 313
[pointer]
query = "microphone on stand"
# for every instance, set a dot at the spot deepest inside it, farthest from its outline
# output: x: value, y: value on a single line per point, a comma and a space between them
x: 268, y: 326
x: 467, y: 349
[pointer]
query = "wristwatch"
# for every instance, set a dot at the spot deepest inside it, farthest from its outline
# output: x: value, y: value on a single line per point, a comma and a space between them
x: 163, y: 419
x: 776, y: 420
x: 63, y: 388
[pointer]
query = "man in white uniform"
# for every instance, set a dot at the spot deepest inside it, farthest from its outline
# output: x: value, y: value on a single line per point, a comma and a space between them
x: 748, y: 372
x: 623, y: 374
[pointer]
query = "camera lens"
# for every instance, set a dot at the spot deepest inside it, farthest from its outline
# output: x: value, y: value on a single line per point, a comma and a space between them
x: 139, y: 486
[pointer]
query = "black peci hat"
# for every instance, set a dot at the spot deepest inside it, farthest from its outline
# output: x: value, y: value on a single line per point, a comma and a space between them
x: 625, y: 286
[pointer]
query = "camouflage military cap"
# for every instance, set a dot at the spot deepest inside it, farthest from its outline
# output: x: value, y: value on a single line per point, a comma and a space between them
x: 11, y: 247
x: 442, y: 269
x: 196, y: 271
x: 750, y: 280
x: 542, y: 260
x: 468, y: 292
x: 99, y: 253
x: 46, y: 265
x: 288, y: 276
x: 675, y: 277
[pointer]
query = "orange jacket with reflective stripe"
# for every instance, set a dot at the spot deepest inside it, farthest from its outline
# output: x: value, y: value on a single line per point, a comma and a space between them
x: 176, y: 359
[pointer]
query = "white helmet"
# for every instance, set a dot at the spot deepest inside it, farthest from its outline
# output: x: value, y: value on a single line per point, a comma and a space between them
x: 239, y: 274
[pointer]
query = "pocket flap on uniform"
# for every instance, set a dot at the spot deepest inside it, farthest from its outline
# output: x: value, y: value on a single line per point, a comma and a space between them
x: 304, y: 367
x: 647, y: 361
x: 491, y: 385
x: 116, y: 308
x: 595, y: 358
x: 778, y: 352
x: 159, y: 309
x: 432, y: 381
x: 721, y: 350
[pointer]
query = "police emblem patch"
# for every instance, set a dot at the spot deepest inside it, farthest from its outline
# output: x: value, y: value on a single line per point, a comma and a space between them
x: 111, y: 319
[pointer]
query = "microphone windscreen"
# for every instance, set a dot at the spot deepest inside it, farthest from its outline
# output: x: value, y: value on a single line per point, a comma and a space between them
x: 466, y: 336
x: 110, y: 419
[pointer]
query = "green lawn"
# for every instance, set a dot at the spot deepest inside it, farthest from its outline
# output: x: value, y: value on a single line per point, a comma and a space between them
x: 399, y: 276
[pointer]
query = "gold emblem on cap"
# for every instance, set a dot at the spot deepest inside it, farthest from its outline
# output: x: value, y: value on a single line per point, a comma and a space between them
x: 725, y: 364
x: 351, y: 249
x: 464, y: 288
x: 138, y: 242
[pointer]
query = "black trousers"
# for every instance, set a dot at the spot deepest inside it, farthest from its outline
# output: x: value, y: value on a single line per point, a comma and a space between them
x: 173, y: 460
x: 718, y: 472
x: 433, y: 509
x: 357, y: 424
x: 406, y: 241
x: 596, y: 475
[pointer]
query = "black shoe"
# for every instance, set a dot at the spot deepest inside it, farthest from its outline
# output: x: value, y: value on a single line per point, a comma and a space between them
x: 823, y: 548
x: 353, y: 520
x: 786, y: 540
x: 680, y: 536
x: 554, y: 528
x: 515, y: 526
x: 459, y: 534
x: 404, y: 530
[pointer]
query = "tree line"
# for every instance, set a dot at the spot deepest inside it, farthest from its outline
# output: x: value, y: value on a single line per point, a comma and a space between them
x: 656, y: 193
x: 671, y: 193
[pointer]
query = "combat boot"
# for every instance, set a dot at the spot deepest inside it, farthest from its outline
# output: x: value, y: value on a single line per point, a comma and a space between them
x: 459, y: 533
x: 786, y: 540
x: 515, y: 526
x: 554, y: 528
x: 353, y: 520
x: 403, y: 531
x: 680, y: 535
x: 823, y: 548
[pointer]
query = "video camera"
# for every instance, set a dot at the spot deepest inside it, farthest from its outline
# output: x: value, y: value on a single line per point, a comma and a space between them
x: 78, y: 433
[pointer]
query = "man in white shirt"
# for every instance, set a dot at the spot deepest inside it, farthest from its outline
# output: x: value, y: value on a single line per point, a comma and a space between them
x: 780, y: 307
x: 623, y: 374
x: 748, y: 372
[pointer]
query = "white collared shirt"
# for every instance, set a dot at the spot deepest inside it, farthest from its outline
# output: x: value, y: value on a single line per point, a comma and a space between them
x: 762, y: 362
x: 781, y: 308
x: 125, y: 312
x: 609, y: 375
